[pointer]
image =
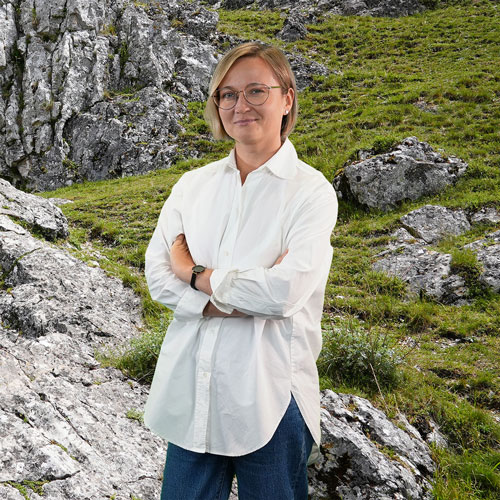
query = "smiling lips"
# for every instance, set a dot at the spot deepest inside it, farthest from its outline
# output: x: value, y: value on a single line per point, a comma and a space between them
x: 245, y: 121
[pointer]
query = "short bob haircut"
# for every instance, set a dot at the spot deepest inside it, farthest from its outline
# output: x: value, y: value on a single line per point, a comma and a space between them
x: 281, y: 69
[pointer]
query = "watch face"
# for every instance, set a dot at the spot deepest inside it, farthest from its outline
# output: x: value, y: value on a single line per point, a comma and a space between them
x: 198, y: 269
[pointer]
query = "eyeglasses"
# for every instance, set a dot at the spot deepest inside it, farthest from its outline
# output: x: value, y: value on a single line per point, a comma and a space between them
x: 255, y: 94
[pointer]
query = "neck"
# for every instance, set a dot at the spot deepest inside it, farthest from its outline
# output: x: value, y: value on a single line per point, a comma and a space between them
x: 251, y: 157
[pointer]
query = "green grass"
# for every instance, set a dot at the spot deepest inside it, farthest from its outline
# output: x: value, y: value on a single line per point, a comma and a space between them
x: 436, y: 76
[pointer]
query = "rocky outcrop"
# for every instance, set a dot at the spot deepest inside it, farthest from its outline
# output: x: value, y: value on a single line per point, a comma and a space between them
x: 430, y: 272
x: 380, y: 8
x: 408, y: 172
x: 365, y: 455
x: 433, y: 223
x: 88, y: 87
x: 427, y: 272
x: 69, y: 428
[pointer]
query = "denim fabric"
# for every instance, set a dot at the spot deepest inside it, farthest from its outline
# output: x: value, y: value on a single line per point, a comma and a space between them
x: 277, y: 471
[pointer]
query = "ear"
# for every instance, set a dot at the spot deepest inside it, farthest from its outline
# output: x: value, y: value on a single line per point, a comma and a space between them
x: 289, y: 98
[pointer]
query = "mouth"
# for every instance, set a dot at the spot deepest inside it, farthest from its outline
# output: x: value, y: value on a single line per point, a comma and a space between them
x: 246, y: 121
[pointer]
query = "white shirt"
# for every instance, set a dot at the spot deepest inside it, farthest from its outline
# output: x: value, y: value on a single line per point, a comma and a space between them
x: 222, y: 385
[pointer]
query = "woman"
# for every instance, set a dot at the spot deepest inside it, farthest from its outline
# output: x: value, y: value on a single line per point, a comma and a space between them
x: 241, y: 254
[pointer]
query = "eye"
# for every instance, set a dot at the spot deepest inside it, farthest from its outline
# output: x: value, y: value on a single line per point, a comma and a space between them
x: 227, y: 94
x: 256, y: 90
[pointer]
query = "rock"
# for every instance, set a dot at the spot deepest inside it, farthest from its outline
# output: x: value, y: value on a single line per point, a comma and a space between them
x: 51, y: 291
x: 193, y: 19
x: 488, y: 215
x: 411, y: 170
x: 425, y: 271
x: 364, y: 455
x: 488, y: 254
x: 63, y: 418
x: 108, y: 70
x: 432, y: 223
x: 293, y: 28
x: 381, y: 8
x: 37, y: 212
x: 429, y: 272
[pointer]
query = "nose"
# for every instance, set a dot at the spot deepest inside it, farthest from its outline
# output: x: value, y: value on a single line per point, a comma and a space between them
x: 241, y: 105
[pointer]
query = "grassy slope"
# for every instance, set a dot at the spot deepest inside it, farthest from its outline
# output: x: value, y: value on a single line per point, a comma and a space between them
x: 446, y: 59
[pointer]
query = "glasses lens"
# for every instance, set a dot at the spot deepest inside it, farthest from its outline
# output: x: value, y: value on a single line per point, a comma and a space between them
x: 226, y: 98
x: 256, y: 94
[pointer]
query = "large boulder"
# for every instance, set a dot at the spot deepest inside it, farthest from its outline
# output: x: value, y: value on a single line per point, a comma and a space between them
x: 38, y: 213
x: 365, y: 455
x: 408, y: 172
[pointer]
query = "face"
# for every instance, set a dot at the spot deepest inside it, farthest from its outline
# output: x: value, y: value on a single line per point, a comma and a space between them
x: 249, y: 124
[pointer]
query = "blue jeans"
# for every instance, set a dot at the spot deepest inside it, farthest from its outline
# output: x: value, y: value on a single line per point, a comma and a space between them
x: 277, y: 471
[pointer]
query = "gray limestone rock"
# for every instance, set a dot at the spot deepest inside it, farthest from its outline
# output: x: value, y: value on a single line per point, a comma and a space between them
x: 107, y: 69
x: 488, y: 215
x: 364, y: 455
x: 432, y: 223
x: 411, y: 170
x: 429, y: 272
x: 379, y: 8
x: 294, y: 28
x: 64, y: 419
x: 488, y: 254
x: 37, y: 212
x: 425, y: 271
x: 51, y: 291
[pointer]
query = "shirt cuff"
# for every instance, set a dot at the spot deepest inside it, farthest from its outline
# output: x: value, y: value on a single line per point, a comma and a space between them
x: 219, y: 283
x: 190, y: 306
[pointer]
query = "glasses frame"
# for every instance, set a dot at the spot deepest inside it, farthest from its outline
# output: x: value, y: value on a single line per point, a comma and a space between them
x: 238, y: 92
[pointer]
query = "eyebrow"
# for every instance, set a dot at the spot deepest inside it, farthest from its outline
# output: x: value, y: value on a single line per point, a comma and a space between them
x: 252, y: 83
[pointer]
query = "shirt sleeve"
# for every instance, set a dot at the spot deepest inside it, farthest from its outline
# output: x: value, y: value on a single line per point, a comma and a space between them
x: 282, y: 290
x: 164, y: 286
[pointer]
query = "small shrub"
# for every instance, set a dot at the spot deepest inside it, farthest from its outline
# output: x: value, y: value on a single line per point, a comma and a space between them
x: 138, y: 361
x: 135, y: 414
x: 354, y: 356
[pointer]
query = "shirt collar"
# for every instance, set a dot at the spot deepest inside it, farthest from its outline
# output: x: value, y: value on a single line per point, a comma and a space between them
x: 283, y: 164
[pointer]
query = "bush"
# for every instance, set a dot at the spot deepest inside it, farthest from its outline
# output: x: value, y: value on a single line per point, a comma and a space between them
x: 138, y: 361
x: 358, y: 357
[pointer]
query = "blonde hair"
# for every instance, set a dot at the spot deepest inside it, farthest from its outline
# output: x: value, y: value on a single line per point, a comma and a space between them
x: 279, y: 66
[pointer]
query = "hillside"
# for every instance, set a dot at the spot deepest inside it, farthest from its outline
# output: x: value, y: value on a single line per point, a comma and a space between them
x: 434, y: 75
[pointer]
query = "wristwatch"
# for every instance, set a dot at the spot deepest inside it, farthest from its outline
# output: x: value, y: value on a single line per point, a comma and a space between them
x: 196, y: 270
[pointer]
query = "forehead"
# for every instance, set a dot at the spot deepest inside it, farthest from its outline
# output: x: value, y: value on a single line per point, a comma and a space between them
x: 248, y: 70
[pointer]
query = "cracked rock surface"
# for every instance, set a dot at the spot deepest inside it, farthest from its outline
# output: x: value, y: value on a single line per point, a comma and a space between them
x: 63, y: 417
x: 365, y: 455
x: 430, y: 271
x: 87, y: 87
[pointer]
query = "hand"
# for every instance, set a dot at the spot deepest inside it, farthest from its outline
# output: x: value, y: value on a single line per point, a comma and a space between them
x: 280, y: 258
x: 180, y: 259
x: 212, y: 311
